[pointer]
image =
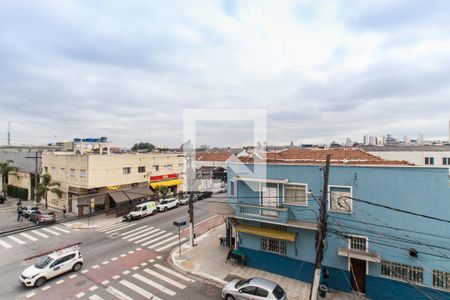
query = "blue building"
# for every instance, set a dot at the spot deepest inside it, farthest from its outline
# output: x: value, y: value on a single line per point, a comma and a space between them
x: 370, y: 247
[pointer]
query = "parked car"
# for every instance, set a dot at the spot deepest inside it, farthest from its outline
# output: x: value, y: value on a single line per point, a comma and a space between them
x: 2, y: 199
x: 40, y: 217
x: 253, y: 288
x: 184, y: 200
x: 51, y: 265
x: 27, y: 211
x: 206, y: 194
x: 167, y: 204
x: 140, y: 211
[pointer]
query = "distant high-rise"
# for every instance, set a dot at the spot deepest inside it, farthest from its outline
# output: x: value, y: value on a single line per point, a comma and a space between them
x: 348, y: 142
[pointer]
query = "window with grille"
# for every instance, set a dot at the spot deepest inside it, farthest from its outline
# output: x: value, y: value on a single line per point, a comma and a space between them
x: 340, y: 199
x: 271, y: 245
x: 441, y: 279
x: 72, y: 172
x: 358, y: 243
x: 83, y: 173
x: 446, y: 161
x: 141, y: 169
x: 429, y: 160
x: 126, y: 170
x: 402, y: 271
x: 273, y: 226
x: 269, y: 198
x: 295, y: 194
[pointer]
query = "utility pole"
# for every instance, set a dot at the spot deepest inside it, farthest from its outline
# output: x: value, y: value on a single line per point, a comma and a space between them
x: 190, y: 187
x: 322, y: 231
x: 36, y: 173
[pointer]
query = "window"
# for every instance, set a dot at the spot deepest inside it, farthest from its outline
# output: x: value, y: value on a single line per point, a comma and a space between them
x: 261, y: 292
x: 180, y: 165
x: 231, y: 188
x: 358, y: 243
x: 273, y: 226
x: 72, y: 172
x: 141, y: 169
x: 63, y: 172
x: 45, y: 169
x: 271, y: 245
x: 126, y: 170
x: 155, y: 168
x: 53, y: 170
x: 296, y: 194
x: 83, y: 173
x: 339, y: 199
x: 248, y: 290
x: 402, y: 271
x: 429, y: 160
x: 168, y: 167
x: 441, y: 279
x: 446, y: 161
x: 269, y: 197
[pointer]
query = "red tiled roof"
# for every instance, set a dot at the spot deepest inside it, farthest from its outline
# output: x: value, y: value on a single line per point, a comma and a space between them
x: 215, y: 156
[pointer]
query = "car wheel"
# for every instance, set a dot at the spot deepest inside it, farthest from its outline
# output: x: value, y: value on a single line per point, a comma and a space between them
x: 178, y: 204
x: 37, y: 222
x: 165, y: 208
x: 229, y: 297
x: 40, y: 282
x: 77, y: 267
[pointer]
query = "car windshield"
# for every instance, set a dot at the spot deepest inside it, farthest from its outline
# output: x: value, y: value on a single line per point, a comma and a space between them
x: 164, y: 202
x: 43, y: 261
x: 278, y: 292
x: 136, y: 209
x: 242, y: 283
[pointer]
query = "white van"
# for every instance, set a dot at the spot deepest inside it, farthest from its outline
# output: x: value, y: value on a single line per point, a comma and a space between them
x: 142, y: 210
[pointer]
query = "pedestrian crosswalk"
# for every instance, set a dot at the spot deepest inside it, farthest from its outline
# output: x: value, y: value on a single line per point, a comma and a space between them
x: 23, y: 238
x: 146, y: 236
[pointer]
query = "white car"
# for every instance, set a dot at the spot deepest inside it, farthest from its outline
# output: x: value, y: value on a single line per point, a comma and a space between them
x: 51, y: 265
x: 140, y: 211
x: 167, y: 204
x: 184, y: 200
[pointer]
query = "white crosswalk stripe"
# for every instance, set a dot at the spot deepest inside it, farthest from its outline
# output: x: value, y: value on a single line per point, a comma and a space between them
x: 95, y: 297
x: 61, y: 229
x: 118, y: 294
x: 118, y: 229
x: 39, y: 233
x: 154, y: 284
x: 18, y: 241
x: 163, y: 242
x: 26, y: 235
x: 150, y: 236
x: 134, y: 230
x: 116, y: 225
x: 156, y: 239
x: 51, y: 231
x: 165, y: 278
x: 172, y: 272
x: 5, y: 244
x: 147, y: 232
x: 138, y: 290
x: 170, y: 245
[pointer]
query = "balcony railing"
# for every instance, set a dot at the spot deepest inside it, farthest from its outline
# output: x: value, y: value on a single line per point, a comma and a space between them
x: 266, y: 212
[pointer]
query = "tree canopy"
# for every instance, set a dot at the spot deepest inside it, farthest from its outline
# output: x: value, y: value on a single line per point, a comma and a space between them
x: 146, y: 147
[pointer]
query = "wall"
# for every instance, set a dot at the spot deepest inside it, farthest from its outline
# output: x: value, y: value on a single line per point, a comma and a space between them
x: 22, y: 180
x: 416, y: 157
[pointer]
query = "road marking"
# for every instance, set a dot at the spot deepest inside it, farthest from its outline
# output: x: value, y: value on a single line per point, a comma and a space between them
x: 5, y: 244
x: 138, y: 249
x: 30, y: 295
x: 163, y: 242
x: 115, y: 225
x: 95, y: 297
x: 60, y: 281
x: 114, y: 258
x: 116, y: 277
x: 130, y: 252
x: 61, y: 229
x: 165, y: 278
x: 105, y: 282
x: 79, y: 295
x: 155, y: 284
x: 118, y: 229
x: 45, y: 288
x: 142, y: 234
x: 118, y: 293
x: 127, y: 233
x: 143, y: 264
x: 51, y: 231
x: 105, y: 262
x: 73, y: 276
x: 134, y: 268
x: 170, y: 245
x: 122, y: 255
x: 138, y: 290
x: 93, y: 288
x: 19, y: 241
x: 95, y: 267
x: 26, y: 235
x: 159, y: 257
x: 125, y: 272
x: 39, y: 233
x: 84, y: 271
x: 157, y: 239
x: 172, y: 272
x: 150, y: 236
x: 151, y: 260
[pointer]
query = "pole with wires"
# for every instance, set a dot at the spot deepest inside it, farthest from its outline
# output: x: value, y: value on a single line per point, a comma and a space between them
x: 190, y: 188
x: 322, y: 227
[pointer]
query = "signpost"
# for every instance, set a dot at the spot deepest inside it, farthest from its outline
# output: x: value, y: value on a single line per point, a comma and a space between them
x: 179, y: 225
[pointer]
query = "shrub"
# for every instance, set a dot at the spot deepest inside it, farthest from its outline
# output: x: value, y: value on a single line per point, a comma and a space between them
x: 22, y: 193
x: 12, y: 191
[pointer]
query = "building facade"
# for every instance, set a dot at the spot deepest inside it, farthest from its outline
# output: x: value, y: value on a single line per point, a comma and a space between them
x: 82, y: 175
x: 369, y: 249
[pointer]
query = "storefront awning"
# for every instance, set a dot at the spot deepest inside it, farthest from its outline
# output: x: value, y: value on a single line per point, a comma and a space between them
x: 130, y: 194
x: 166, y: 183
x: 270, y: 233
x: 86, y: 200
x: 361, y: 255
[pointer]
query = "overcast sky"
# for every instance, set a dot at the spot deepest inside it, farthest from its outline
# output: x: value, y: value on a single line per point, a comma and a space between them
x: 324, y: 70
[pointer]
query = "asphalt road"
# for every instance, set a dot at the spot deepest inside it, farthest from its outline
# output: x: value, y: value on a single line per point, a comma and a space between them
x: 122, y: 260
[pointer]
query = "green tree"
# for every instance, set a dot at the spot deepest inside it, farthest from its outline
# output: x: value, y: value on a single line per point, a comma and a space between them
x: 47, y: 185
x: 5, y: 168
x: 148, y: 147
x: 161, y: 190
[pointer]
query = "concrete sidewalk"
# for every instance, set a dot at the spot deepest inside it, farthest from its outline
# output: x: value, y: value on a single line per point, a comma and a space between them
x: 207, y: 260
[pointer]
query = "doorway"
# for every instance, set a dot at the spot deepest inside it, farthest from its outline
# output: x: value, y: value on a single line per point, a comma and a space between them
x: 358, y: 275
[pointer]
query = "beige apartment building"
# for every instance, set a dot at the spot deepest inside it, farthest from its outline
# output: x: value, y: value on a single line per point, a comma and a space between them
x: 110, y: 179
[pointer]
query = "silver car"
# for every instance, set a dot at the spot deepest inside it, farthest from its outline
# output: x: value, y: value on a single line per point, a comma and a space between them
x: 254, y: 289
